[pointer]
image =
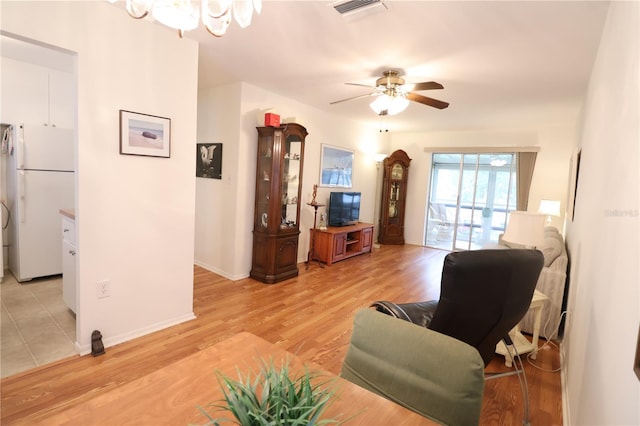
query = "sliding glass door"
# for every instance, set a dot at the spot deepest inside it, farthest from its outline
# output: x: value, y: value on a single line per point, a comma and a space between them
x: 469, y: 198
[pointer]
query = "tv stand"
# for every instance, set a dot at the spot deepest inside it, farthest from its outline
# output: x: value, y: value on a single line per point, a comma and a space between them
x: 342, y: 242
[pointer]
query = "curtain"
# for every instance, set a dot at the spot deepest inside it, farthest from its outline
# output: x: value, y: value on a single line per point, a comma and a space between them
x: 525, y: 163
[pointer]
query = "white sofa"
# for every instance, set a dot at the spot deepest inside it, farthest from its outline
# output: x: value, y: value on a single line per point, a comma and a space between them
x: 551, y: 282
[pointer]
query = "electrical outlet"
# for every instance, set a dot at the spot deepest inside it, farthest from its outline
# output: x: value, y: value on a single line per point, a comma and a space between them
x: 103, y: 289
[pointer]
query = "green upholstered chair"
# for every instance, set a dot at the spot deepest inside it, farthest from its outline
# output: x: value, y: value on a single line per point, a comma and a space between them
x: 435, y: 375
x: 483, y: 295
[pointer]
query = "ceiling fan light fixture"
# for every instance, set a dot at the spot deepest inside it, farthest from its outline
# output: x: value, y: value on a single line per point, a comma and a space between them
x: 391, y: 104
x: 398, y: 104
x: 381, y: 103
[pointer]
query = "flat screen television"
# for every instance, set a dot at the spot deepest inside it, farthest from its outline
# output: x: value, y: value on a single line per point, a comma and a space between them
x: 344, y: 208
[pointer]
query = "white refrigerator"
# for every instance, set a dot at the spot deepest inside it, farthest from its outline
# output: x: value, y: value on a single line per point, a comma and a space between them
x: 40, y: 182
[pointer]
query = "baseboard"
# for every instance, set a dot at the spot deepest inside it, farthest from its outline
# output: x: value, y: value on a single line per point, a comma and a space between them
x: 229, y: 276
x: 566, y: 414
x: 116, y: 340
x: 220, y: 272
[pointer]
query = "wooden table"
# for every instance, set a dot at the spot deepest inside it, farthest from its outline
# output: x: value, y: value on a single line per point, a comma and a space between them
x: 170, y: 396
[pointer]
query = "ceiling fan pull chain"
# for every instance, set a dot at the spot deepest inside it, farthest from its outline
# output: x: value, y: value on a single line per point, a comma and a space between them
x: 383, y: 122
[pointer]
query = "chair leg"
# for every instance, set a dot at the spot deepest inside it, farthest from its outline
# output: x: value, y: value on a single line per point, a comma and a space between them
x: 524, y: 386
x: 518, y: 365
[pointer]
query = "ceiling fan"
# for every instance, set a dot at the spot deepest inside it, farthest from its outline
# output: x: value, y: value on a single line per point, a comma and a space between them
x: 393, y: 95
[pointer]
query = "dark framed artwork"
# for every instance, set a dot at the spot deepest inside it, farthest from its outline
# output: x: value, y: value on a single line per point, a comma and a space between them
x: 573, y: 184
x: 144, y: 134
x: 636, y: 362
x: 209, y: 160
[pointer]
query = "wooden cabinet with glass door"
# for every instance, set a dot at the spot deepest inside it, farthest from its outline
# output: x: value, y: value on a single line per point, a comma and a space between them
x: 394, y: 196
x: 276, y: 223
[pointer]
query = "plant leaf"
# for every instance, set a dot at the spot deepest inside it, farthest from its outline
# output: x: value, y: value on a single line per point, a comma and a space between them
x: 274, y: 396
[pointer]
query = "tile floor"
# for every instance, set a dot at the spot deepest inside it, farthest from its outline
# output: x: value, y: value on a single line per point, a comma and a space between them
x: 37, y: 327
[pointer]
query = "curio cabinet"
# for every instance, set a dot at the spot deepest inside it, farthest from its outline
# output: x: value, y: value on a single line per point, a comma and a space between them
x: 276, y: 221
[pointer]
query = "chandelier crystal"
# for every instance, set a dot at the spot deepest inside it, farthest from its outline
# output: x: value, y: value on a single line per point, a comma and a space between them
x: 180, y: 15
x: 184, y: 15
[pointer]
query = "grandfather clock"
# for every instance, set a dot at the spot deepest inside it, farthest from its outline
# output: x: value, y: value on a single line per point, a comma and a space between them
x: 394, y: 196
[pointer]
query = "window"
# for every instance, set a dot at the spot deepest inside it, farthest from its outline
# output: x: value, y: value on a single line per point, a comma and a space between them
x: 469, y: 198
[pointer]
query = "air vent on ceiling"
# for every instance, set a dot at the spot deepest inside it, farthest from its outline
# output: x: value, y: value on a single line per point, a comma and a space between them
x: 353, y: 6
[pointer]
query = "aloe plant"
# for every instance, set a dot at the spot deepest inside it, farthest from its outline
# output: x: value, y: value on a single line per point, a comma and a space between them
x: 273, y: 397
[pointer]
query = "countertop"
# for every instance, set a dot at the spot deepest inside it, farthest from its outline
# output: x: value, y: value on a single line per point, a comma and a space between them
x: 70, y: 213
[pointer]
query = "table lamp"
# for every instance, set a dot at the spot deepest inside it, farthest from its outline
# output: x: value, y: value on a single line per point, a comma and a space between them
x: 549, y: 208
x: 526, y: 229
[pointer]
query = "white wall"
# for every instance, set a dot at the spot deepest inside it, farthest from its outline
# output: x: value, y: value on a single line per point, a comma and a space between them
x: 602, y: 328
x: 230, y: 115
x: 550, y: 179
x: 223, y: 235
x: 135, y: 215
x: 216, y: 200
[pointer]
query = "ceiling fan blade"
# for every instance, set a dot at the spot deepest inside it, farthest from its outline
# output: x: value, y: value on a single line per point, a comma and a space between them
x: 427, y: 101
x: 427, y: 85
x: 358, y: 84
x: 356, y: 97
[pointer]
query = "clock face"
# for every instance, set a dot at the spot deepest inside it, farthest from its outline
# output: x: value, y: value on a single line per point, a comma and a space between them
x: 397, y: 171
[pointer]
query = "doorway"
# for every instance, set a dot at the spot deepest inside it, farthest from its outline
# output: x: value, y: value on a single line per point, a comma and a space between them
x: 40, y: 92
x: 469, y: 198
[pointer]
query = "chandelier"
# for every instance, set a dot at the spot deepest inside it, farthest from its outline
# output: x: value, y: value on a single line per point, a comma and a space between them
x: 184, y: 15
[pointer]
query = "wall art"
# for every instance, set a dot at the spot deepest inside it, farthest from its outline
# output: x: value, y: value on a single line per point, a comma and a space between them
x: 144, y: 134
x: 336, y: 167
x: 573, y: 184
x: 209, y: 160
x: 636, y: 362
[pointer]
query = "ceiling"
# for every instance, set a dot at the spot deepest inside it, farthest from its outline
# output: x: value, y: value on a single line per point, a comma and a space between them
x: 503, y: 64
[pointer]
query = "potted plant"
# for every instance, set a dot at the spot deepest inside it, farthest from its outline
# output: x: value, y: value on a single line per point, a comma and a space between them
x: 273, y: 397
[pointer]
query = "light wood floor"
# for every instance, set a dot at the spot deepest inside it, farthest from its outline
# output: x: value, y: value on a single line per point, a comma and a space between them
x: 310, y: 315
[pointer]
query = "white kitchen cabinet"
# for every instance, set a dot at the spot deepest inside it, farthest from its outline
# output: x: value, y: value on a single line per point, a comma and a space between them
x: 69, y: 262
x: 33, y: 94
x: 61, y: 95
x: 24, y: 93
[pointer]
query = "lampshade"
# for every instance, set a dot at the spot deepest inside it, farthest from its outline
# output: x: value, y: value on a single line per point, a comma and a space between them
x: 549, y: 207
x: 525, y: 228
x: 379, y: 157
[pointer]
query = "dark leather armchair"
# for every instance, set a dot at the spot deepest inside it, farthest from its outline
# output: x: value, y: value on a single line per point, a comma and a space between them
x: 483, y: 295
